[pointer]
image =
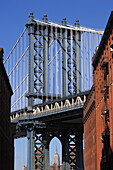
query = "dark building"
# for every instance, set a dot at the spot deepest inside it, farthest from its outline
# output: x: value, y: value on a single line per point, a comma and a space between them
x: 6, y: 141
x: 98, y: 109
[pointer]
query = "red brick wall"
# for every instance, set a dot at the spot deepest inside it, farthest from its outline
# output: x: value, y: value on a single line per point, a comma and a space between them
x: 90, y: 133
x: 94, y: 121
x: 100, y: 99
x: 110, y: 78
x: 25, y: 168
x: 99, y: 102
x: 55, y: 167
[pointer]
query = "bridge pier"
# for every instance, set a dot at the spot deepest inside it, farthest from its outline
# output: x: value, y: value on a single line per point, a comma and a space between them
x: 45, y: 59
x: 46, y: 152
x: 51, y: 47
x: 65, y: 152
x: 78, y: 62
x: 64, y: 61
x: 79, y: 150
x: 30, y: 150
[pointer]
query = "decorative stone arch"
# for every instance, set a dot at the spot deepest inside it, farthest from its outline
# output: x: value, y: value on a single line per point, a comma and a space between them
x: 34, y: 112
x: 46, y: 108
x: 37, y: 109
x: 24, y: 113
x: 56, y: 106
x: 11, y: 118
x: 67, y: 103
x: 78, y: 100
x: 17, y: 115
x: 84, y: 98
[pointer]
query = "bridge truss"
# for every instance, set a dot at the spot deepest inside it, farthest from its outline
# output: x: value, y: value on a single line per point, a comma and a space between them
x: 49, y: 62
x: 56, y: 49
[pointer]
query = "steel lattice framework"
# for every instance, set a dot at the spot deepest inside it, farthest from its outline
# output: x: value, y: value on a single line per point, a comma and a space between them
x: 57, y: 50
x: 50, y: 62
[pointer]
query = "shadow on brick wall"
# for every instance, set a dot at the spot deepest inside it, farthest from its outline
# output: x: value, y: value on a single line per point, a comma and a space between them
x: 107, y: 154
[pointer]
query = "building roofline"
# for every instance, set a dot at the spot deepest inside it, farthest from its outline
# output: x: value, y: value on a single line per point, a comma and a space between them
x: 104, y: 39
x: 4, y: 71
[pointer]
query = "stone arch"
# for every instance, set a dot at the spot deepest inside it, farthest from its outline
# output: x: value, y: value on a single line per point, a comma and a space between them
x: 17, y: 115
x: 46, y: 107
x: 84, y: 98
x: 67, y: 103
x: 78, y: 100
x: 37, y: 109
x: 56, y: 106
x: 24, y: 114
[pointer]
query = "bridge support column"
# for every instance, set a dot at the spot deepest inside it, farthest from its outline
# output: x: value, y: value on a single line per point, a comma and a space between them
x: 45, y: 59
x: 79, y: 150
x: 78, y: 61
x: 31, y: 25
x: 30, y: 150
x: 65, y: 152
x: 46, y: 152
x: 64, y: 61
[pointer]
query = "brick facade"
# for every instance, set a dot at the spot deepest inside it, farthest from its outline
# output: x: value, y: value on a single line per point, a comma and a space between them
x: 24, y: 168
x: 6, y: 144
x: 56, y: 167
x: 90, y: 132
x: 98, y: 109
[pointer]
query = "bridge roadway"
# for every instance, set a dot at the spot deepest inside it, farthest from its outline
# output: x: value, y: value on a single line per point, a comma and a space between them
x: 67, y: 110
x: 62, y: 118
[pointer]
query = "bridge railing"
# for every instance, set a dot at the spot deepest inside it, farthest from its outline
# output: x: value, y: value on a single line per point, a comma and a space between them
x: 49, y: 109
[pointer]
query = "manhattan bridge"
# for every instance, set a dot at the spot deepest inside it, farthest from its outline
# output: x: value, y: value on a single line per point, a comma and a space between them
x: 50, y: 71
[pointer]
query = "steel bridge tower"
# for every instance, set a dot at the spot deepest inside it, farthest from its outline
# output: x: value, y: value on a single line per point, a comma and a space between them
x: 53, y: 85
x: 40, y: 37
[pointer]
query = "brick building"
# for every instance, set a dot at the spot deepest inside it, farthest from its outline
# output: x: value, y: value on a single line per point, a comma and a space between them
x: 6, y: 142
x: 98, y: 109
x: 24, y: 168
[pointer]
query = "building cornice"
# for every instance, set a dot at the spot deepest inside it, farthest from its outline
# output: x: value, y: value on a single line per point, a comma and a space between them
x: 2, y: 68
x: 103, y: 42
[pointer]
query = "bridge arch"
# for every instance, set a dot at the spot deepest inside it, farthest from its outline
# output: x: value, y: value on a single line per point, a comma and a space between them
x: 78, y: 100
x: 55, y: 145
x: 67, y: 103
x: 56, y: 105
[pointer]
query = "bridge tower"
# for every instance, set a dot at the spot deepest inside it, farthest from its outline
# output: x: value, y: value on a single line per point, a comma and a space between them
x: 40, y: 37
x: 48, y: 76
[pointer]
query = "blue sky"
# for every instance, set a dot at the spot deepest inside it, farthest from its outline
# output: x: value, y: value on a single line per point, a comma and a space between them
x: 14, y: 15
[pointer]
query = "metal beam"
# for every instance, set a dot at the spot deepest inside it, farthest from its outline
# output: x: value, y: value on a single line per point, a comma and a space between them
x: 79, y: 150
x: 46, y: 151
x: 45, y: 58
x: 65, y: 152
x: 30, y: 149
x: 30, y: 133
x: 78, y: 60
x: 64, y: 61
x: 30, y: 25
